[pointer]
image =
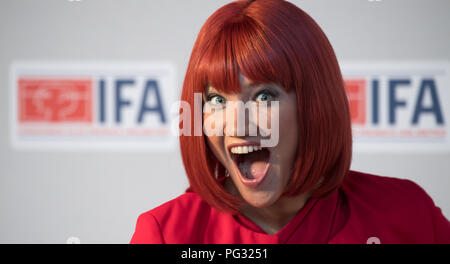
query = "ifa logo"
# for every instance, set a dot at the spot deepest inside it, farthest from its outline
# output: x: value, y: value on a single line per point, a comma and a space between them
x: 92, y: 106
x: 399, y: 106
x: 426, y: 101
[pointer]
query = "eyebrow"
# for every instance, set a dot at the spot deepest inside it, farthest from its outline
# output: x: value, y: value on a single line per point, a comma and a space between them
x: 255, y: 84
x: 209, y: 89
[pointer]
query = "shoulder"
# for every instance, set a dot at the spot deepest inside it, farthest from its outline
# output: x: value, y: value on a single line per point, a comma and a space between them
x: 376, y: 186
x: 398, y: 208
x: 385, y: 193
x: 163, y: 224
x: 186, y: 206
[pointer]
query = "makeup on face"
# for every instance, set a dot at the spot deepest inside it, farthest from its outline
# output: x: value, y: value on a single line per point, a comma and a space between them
x: 259, y: 172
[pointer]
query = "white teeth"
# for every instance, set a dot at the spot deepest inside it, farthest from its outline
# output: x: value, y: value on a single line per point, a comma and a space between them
x: 244, y: 149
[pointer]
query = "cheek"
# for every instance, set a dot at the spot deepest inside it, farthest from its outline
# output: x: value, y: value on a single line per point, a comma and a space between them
x: 289, y: 113
x: 214, y: 144
x: 288, y: 119
x: 214, y: 140
x: 286, y: 116
x: 288, y: 123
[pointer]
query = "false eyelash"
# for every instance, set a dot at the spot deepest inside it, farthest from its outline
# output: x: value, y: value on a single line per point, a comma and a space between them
x: 266, y: 91
x: 209, y: 97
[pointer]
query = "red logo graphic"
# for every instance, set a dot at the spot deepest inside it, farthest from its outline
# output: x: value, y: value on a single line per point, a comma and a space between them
x: 356, y: 94
x: 55, y: 100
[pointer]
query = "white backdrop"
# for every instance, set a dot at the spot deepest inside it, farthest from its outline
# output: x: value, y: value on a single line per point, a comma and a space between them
x: 49, y: 196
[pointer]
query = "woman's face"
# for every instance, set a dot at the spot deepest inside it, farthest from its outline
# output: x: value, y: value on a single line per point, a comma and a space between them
x: 258, y: 174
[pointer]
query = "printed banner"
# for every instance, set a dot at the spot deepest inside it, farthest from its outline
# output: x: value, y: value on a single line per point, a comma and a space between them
x: 127, y: 106
x: 399, y: 107
x: 92, y: 106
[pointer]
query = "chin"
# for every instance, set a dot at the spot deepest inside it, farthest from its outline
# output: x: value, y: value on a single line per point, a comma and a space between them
x: 260, y: 199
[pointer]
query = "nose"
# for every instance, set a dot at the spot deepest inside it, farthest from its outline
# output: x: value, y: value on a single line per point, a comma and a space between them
x: 240, y: 120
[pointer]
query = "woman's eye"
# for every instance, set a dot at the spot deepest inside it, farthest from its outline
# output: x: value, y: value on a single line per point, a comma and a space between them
x: 264, y: 97
x: 216, y: 99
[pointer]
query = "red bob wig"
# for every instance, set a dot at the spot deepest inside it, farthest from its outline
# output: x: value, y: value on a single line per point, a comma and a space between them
x: 271, y: 41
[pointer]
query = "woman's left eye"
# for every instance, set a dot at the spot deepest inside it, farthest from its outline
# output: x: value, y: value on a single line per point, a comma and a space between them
x: 216, y: 99
x: 264, y: 96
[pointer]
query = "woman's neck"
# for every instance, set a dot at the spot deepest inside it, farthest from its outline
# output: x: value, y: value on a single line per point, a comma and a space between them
x: 273, y: 218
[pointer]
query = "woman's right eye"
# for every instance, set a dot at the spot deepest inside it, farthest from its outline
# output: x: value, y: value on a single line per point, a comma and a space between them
x: 216, y: 99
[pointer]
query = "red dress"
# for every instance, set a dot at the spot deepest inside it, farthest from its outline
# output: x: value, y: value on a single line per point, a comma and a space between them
x: 365, y: 209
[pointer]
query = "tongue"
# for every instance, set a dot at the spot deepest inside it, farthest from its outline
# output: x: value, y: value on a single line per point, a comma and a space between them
x: 253, y: 165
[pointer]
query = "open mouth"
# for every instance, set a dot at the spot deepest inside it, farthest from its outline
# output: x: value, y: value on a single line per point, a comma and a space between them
x: 251, y: 161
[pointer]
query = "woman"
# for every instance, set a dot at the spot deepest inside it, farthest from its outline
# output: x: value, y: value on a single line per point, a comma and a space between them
x: 299, y: 189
